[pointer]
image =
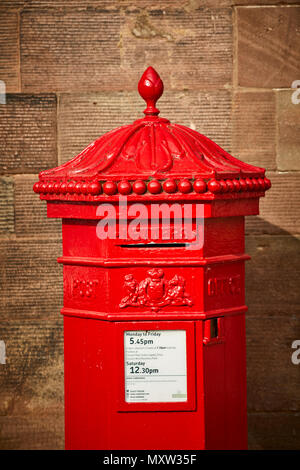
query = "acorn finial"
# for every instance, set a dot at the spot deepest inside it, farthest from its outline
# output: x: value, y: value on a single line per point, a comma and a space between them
x: 151, y: 88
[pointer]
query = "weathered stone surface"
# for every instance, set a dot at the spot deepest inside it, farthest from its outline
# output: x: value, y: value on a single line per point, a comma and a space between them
x: 9, y: 46
x: 33, y: 431
x: 12, y: 4
x: 274, y: 431
x: 280, y: 208
x: 70, y: 50
x: 254, y: 128
x: 288, y: 119
x: 31, y: 279
x: 83, y: 118
x: 113, y: 49
x: 31, y: 213
x: 33, y: 353
x: 188, y: 5
x: 107, y: 4
x: 273, y: 380
x: 28, y: 133
x: 260, y: 3
x: 7, y: 218
x: 268, y: 51
x: 189, y: 49
x: 31, y: 385
x: 272, y: 276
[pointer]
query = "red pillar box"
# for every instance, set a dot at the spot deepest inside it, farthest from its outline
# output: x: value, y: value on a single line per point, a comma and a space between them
x: 154, y: 305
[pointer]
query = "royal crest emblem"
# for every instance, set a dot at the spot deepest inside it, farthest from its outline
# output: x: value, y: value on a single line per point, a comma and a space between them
x: 155, y: 291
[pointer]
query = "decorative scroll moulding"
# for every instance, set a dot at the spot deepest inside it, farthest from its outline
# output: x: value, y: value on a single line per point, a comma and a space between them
x: 152, y: 157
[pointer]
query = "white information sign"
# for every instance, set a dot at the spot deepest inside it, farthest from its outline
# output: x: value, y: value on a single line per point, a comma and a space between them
x: 155, y: 366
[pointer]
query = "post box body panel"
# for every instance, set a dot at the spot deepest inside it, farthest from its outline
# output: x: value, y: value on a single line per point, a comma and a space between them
x: 95, y: 418
x: 222, y: 235
x: 95, y: 272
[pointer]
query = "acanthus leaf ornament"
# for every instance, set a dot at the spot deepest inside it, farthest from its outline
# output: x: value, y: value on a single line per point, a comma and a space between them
x: 154, y: 291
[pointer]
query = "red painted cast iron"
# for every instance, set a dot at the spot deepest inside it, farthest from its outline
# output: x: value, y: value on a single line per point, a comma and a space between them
x: 116, y: 285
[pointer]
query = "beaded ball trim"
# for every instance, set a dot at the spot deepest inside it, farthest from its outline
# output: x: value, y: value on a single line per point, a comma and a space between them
x: 140, y: 187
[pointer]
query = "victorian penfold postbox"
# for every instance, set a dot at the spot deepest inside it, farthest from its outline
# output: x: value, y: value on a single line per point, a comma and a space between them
x: 153, y: 270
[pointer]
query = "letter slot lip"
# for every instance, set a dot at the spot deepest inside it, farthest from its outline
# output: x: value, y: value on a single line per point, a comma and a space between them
x: 154, y: 245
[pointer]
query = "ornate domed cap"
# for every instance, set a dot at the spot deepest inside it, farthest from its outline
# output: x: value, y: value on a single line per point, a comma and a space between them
x: 151, y: 156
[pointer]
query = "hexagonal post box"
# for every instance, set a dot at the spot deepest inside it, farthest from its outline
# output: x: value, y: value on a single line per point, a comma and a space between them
x: 153, y: 270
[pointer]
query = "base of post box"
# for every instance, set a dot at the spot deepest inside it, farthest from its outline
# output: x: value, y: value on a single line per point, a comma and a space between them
x: 155, y: 385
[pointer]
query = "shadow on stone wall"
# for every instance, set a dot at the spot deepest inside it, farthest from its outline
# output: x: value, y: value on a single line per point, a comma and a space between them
x: 273, y: 323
